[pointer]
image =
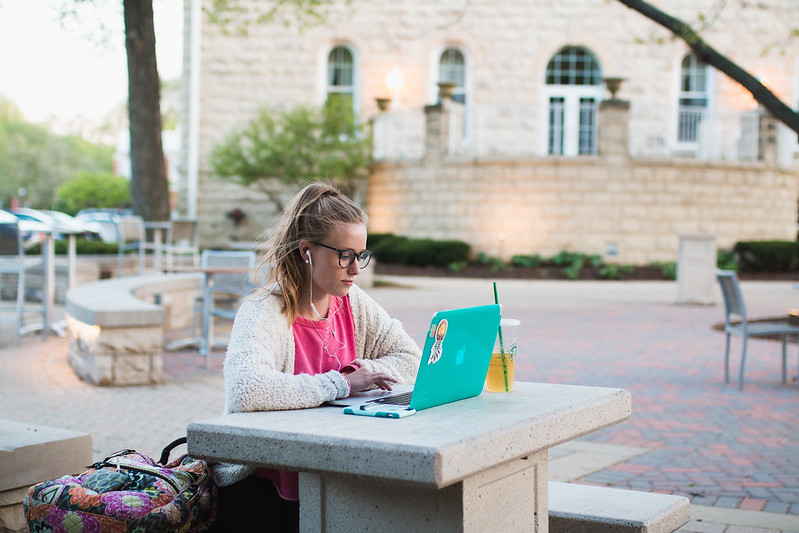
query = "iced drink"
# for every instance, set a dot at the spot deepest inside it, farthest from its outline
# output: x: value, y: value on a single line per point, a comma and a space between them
x: 503, y: 360
x: 495, y: 379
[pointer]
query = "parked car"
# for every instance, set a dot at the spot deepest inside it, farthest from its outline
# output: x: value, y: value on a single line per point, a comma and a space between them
x: 5, y: 217
x: 59, y: 223
x: 33, y: 231
x: 85, y: 228
x: 104, y: 220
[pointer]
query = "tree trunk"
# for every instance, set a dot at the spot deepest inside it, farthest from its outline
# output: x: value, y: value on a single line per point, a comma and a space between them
x: 149, y: 188
x: 706, y: 53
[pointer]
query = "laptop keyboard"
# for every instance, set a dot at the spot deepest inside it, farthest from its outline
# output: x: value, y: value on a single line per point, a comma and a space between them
x: 403, y: 398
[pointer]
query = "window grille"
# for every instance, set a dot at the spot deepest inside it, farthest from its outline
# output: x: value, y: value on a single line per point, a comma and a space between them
x: 452, y: 69
x: 556, y: 109
x: 587, y: 139
x: 693, y: 99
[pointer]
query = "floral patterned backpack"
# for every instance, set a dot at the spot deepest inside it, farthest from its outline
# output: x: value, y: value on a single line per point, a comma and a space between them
x: 127, y: 491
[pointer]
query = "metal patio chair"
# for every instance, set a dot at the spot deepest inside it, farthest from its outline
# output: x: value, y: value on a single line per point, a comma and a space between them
x: 734, y: 307
x: 183, y: 240
x: 131, y: 237
x: 13, y: 261
x: 225, y: 289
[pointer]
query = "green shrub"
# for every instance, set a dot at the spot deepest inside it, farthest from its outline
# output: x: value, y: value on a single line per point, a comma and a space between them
x: 573, y: 270
x: 527, y: 261
x: 725, y: 260
x: 457, y: 266
x: 609, y: 272
x: 389, y: 248
x: 668, y: 268
x: 761, y: 256
x: 87, y: 190
x: 82, y: 247
x: 373, y: 239
x: 564, y: 258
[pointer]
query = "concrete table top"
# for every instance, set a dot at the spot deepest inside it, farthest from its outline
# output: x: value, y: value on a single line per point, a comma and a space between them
x: 435, y: 447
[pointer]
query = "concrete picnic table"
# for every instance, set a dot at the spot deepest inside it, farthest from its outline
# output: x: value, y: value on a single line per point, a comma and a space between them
x: 475, y: 465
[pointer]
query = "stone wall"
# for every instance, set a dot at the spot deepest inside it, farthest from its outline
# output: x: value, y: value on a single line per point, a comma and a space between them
x: 116, y: 327
x: 30, y: 454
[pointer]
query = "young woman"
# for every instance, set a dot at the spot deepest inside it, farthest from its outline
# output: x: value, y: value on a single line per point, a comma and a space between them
x: 310, y: 336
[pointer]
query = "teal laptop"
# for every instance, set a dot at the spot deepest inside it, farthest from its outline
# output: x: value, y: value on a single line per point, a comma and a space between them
x: 455, y: 358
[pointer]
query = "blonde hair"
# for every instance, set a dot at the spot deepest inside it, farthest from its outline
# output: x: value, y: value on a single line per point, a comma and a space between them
x: 310, y: 215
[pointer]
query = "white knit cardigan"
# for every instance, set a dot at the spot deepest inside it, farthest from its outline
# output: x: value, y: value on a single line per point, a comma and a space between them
x: 259, y: 365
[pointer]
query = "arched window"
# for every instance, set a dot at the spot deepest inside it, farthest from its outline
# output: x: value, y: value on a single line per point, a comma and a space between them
x: 452, y: 69
x: 693, y: 99
x: 573, y: 88
x: 341, y: 80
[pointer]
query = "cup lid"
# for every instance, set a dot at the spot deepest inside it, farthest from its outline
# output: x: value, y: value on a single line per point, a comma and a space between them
x: 505, y: 322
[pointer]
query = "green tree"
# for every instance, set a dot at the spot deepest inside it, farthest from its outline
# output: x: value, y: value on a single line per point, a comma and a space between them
x: 9, y: 111
x: 280, y: 149
x: 148, y: 184
x: 34, y: 161
x: 87, y: 190
x: 149, y: 188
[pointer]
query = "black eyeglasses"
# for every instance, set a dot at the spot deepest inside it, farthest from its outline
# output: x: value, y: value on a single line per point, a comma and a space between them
x: 347, y: 257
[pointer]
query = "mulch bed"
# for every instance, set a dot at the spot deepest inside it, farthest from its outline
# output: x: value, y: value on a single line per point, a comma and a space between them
x: 641, y: 273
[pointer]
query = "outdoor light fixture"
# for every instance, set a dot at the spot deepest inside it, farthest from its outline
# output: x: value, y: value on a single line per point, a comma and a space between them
x: 394, y: 80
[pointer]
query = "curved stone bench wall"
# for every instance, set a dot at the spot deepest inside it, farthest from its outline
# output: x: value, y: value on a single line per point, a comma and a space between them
x: 116, y: 327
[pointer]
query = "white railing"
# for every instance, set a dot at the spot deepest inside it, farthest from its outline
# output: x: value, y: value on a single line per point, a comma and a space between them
x: 521, y: 131
x: 398, y: 135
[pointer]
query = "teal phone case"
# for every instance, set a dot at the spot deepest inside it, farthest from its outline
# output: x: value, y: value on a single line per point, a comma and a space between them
x: 386, y: 411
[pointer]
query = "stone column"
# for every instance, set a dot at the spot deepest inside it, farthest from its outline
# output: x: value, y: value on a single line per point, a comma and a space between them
x: 696, y: 269
x: 436, y: 140
x: 614, y: 128
x: 767, y: 138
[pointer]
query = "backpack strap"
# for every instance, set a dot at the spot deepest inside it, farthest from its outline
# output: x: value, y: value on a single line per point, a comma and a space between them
x: 168, y: 449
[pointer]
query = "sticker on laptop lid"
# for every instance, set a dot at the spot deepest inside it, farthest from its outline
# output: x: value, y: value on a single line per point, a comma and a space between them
x: 437, y: 348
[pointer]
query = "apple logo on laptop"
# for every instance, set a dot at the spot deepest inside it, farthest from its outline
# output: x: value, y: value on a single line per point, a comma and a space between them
x: 460, y: 356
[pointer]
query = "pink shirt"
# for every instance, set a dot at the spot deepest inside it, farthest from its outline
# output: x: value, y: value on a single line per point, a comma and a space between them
x: 319, y: 346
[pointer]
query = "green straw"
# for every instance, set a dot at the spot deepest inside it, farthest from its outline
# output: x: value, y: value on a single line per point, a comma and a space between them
x: 501, y: 345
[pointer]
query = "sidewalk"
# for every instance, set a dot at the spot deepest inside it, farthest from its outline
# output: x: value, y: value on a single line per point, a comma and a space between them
x: 734, y: 454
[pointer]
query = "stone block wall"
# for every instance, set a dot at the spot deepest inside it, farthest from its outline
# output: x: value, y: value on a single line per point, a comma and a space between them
x: 30, y: 454
x: 116, y: 355
x: 116, y: 327
x: 548, y: 205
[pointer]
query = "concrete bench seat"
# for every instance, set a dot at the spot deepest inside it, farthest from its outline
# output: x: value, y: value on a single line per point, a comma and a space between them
x: 577, y: 508
x: 30, y: 454
x: 116, y: 326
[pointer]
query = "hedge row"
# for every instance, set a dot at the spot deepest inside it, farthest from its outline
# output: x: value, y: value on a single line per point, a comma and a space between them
x: 766, y: 256
x: 390, y: 248
x: 746, y: 256
x: 82, y: 246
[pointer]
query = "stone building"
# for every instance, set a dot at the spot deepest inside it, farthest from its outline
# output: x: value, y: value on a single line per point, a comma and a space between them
x: 493, y: 121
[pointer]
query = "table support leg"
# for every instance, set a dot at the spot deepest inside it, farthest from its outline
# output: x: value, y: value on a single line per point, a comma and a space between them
x: 510, y: 497
x: 72, y: 261
x: 48, y: 281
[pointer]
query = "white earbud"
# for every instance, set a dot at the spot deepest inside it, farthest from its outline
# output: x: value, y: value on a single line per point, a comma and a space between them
x: 310, y: 261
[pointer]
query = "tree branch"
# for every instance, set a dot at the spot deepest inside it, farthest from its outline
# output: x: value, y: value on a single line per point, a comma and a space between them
x: 709, y: 55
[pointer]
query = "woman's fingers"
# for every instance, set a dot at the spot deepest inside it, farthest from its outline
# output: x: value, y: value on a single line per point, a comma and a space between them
x: 362, y: 379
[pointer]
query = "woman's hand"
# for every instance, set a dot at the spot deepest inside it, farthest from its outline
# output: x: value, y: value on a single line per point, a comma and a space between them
x: 361, y: 379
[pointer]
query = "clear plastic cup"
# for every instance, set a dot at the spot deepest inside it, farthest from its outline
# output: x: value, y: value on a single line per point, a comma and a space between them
x: 502, y: 368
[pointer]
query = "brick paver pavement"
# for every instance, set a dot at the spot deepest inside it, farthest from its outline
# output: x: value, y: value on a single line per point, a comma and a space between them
x: 710, y: 442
